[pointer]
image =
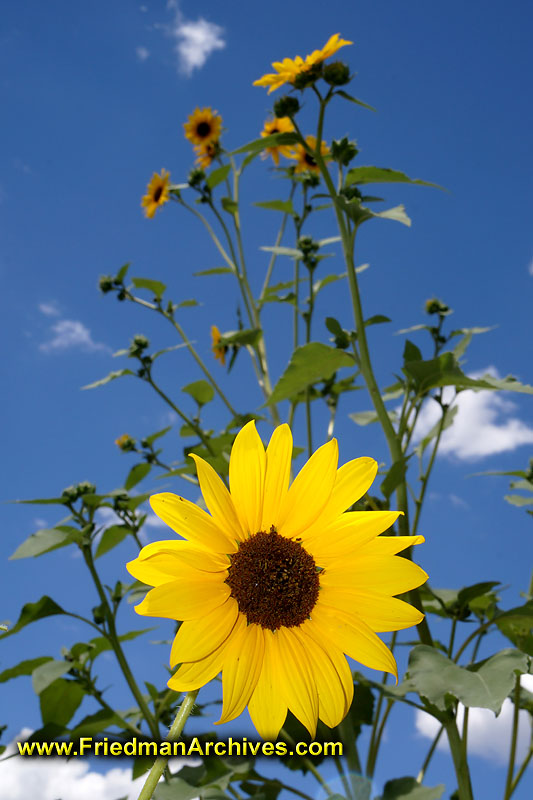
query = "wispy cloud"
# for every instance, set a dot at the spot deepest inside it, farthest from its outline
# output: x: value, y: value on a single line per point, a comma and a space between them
x: 530, y: 267
x: 485, y: 424
x: 195, y: 40
x: 70, y: 334
x: 488, y: 736
x: 49, y: 309
x: 142, y: 53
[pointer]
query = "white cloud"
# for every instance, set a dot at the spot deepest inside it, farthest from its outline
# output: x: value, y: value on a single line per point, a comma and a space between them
x: 142, y: 53
x: 483, y: 425
x: 50, y: 778
x: 49, y: 309
x: 71, y: 334
x: 488, y: 736
x: 195, y: 41
x: 530, y: 268
x: 458, y: 502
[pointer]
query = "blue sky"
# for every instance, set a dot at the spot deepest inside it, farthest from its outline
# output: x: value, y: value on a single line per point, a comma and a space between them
x: 94, y: 97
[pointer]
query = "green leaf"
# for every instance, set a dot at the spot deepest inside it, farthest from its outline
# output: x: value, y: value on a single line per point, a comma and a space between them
x: 484, y: 685
x: 45, y: 674
x: 136, y: 475
x: 23, y: 668
x: 293, y: 252
x: 94, y: 724
x: 218, y: 175
x: 121, y: 274
x: 310, y: 363
x: 100, y: 644
x: 354, y: 100
x: 156, y: 287
x: 368, y: 417
x: 152, y: 438
x: 248, y: 336
x: 277, y: 205
x: 275, y: 140
x: 360, y: 175
x: 31, y: 612
x: 517, y: 625
x: 377, y: 319
x: 45, y: 540
x: 394, y: 476
x: 398, y: 214
x: 44, y: 501
x: 411, y: 352
x: 60, y: 701
x: 117, y: 373
x: 215, y: 271
x: 201, y: 391
x: 229, y: 205
x: 519, y: 500
x: 110, y: 538
x: 320, y: 284
x: 445, y: 371
x: 410, y: 789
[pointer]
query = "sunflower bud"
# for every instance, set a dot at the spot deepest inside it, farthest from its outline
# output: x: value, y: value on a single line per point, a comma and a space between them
x: 436, y: 306
x: 286, y: 107
x: 196, y: 176
x: 308, y: 77
x: 105, y: 284
x: 126, y: 443
x: 71, y: 493
x: 336, y: 74
x: 86, y: 487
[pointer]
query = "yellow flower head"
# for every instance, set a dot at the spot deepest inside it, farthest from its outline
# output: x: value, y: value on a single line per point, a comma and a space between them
x: 125, y: 442
x: 203, y: 125
x: 206, y: 153
x: 279, y: 125
x: 219, y: 350
x: 157, y: 193
x: 304, y: 160
x: 288, y: 70
x: 275, y: 584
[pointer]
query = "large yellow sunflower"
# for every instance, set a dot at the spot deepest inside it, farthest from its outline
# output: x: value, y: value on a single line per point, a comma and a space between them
x: 276, y: 583
x: 203, y: 126
x: 279, y: 125
x: 304, y: 160
x: 157, y: 193
x: 288, y: 70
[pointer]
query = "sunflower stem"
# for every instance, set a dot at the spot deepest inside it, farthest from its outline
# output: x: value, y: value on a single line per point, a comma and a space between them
x: 433, y: 747
x: 160, y: 763
x: 308, y: 764
x: 514, y: 738
x: 344, y: 780
x: 350, y: 747
x: 460, y: 763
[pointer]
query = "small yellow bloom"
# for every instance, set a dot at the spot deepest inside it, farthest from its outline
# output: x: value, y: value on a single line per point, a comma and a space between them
x: 218, y: 349
x: 288, y: 70
x: 275, y: 584
x: 206, y: 153
x: 280, y: 125
x: 157, y: 193
x: 125, y: 442
x: 203, y: 125
x: 305, y: 161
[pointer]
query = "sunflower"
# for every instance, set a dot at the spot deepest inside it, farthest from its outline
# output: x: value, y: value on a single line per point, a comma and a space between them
x: 157, y: 193
x: 203, y: 126
x: 305, y: 161
x: 288, y: 70
x: 206, y: 153
x: 279, y: 125
x: 276, y: 584
x: 219, y: 350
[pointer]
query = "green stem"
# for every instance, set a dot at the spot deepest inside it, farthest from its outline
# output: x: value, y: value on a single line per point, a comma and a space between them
x: 524, y: 766
x: 308, y: 765
x: 514, y: 738
x: 344, y: 779
x: 424, y: 479
x: 460, y: 763
x: 351, y: 754
x: 425, y: 765
x: 160, y: 763
x: 274, y: 256
x: 115, y: 644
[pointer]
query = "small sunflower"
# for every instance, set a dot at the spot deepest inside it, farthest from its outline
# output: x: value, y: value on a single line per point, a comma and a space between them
x: 157, y: 193
x: 219, y: 350
x: 305, y: 161
x: 206, y: 153
x: 290, y: 68
x: 279, y: 125
x: 275, y: 584
x: 203, y: 126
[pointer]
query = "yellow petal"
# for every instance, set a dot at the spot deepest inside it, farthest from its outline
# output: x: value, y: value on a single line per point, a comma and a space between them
x: 187, y: 598
x: 278, y: 470
x: 192, y: 522
x: 337, y: 657
x: 195, y: 674
x: 390, y: 545
x: 247, y: 477
x: 310, y: 491
x: 351, y: 482
x: 331, y: 698
x: 242, y: 665
x: 267, y: 707
x: 379, y: 612
x: 296, y: 679
x: 387, y: 574
x: 354, y: 638
x: 218, y: 500
x: 196, y: 639
x: 347, y: 534
x: 159, y: 562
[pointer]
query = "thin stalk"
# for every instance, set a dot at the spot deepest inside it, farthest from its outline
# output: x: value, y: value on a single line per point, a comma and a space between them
x: 175, y: 732
x: 481, y: 630
x: 425, y: 765
x: 274, y: 256
x: 345, y: 729
x: 308, y: 764
x: 424, y: 479
x: 514, y: 738
x: 460, y: 763
x: 375, y: 736
x: 452, y: 637
x: 344, y: 779
x: 523, y: 767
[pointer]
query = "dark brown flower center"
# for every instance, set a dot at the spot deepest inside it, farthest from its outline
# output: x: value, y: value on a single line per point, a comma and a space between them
x: 203, y: 129
x: 309, y: 160
x: 157, y: 194
x: 274, y: 581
